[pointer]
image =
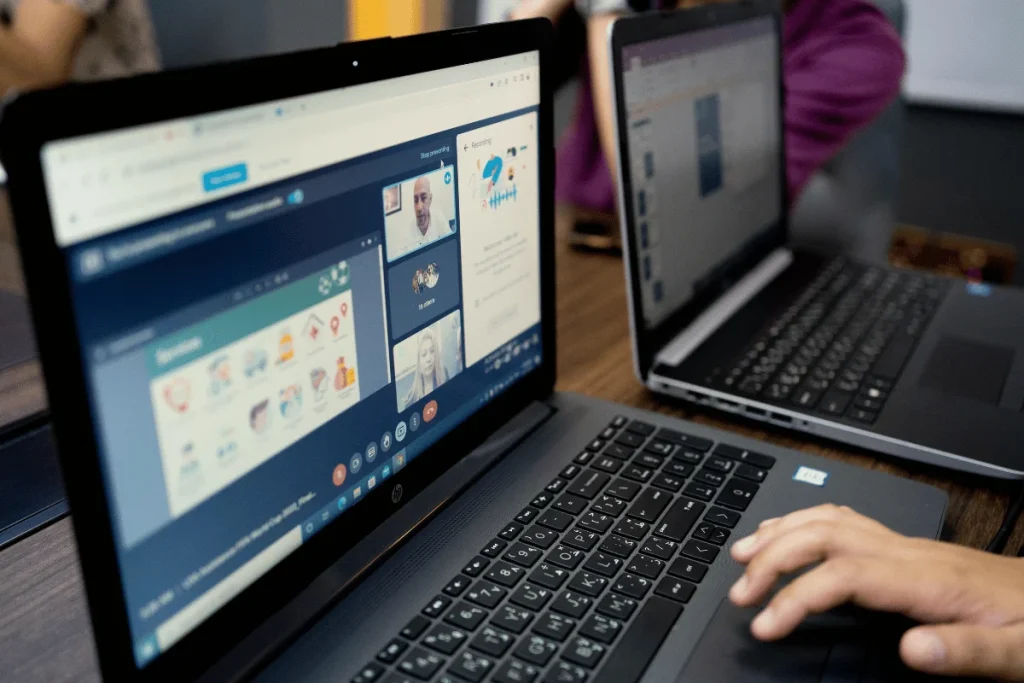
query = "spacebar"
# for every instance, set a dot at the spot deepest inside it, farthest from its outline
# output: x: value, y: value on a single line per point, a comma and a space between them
x: 637, y: 648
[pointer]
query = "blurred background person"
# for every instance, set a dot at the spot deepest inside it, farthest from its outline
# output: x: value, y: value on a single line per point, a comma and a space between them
x: 48, y: 42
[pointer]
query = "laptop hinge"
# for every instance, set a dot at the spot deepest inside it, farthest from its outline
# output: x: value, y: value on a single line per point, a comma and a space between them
x: 697, y: 332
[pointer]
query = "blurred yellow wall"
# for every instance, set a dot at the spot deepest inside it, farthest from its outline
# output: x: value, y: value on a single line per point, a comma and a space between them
x: 376, y: 18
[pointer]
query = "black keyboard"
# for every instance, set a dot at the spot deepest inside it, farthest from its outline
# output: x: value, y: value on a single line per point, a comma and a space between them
x: 839, y: 349
x: 587, y: 581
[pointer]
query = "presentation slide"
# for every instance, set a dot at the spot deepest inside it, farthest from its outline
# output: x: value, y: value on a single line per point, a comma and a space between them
x: 419, y: 211
x: 233, y: 391
x: 499, y: 206
x: 422, y: 287
x: 428, y: 359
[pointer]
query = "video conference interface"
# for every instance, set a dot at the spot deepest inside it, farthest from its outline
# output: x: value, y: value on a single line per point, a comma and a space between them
x: 277, y: 354
x: 703, y: 116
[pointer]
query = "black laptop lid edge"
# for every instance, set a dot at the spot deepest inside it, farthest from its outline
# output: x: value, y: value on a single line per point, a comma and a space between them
x: 647, y: 343
x: 32, y: 120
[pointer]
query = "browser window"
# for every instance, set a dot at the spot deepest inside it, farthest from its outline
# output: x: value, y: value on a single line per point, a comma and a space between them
x: 281, y: 306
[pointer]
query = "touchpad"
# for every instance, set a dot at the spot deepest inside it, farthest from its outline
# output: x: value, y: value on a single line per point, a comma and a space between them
x: 968, y: 369
x: 847, y: 645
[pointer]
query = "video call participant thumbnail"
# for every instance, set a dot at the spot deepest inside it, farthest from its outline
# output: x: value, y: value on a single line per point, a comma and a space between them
x: 427, y: 360
x: 419, y: 211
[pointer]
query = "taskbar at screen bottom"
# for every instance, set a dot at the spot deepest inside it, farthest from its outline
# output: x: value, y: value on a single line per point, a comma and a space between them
x: 504, y: 367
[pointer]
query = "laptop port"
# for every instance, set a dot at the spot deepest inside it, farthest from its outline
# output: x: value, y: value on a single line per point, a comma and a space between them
x: 782, y: 419
x: 756, y: 412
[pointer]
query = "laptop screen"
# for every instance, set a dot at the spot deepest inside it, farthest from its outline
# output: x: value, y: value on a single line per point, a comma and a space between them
x: 280, y: 306
x: 702, y: 114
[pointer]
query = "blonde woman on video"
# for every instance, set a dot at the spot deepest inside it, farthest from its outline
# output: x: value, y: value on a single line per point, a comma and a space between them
x: 430, y: 372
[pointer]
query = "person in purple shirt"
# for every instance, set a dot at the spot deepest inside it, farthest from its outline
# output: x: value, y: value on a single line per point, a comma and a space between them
x: 843, y: 66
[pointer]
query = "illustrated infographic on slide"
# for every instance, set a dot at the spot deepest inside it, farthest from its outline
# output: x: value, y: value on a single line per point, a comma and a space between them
x: 499, y: 205
x: 234, y: 390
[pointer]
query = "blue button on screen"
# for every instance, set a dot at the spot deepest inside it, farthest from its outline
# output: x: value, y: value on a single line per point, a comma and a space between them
x: 225, y: 177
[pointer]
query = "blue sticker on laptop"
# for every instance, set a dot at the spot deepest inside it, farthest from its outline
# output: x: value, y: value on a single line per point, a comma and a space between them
x: 808, y: 475
x: 978, y: 289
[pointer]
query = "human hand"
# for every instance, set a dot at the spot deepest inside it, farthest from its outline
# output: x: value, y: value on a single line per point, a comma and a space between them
x: 974, y: 600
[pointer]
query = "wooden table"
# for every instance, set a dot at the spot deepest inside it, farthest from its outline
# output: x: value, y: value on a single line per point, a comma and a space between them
x: 44, y: 628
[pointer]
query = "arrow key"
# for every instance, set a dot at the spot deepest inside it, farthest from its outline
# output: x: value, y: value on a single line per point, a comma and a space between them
x: 698, y: 550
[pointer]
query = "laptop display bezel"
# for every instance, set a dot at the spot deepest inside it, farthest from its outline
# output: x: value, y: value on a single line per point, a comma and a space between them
x: 654, y: 26
x: 35, y: 119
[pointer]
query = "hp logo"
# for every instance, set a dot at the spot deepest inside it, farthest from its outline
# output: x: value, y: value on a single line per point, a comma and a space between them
x: 396, y: 493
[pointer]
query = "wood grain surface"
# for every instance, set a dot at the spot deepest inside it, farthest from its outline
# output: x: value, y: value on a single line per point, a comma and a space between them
x: 44, y: 628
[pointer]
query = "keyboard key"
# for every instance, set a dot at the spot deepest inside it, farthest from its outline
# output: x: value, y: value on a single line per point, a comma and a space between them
x: 583, y: 458
x: 603, y: 564
x: 637, y: 473
x: 868, y: 404
x: 835, y: 403
x: 737, y: 494
x: 675, y: 589
x: 596, y: 522
x: 505, y: 574
x: 542, y: 500
x: 595, y: 445
x: 556, y: 485
x: 697, y: 443
x: 618, y: 546
x: 564, y: 672
x: 415, y: 628
x: 494, y: 548
x: 566, y: 556
x: 649, y: 461
x: 486, y: 594
x: 555, y: 519
x: 630, y: 440
x: 510, y: 532
x: 689, y: 457
x: 456, y: 586
x: 765, y: 462
x: 589, y: 484
x: 632, y: 528
x: 619, y: 422
x: 717, y: 462
x: 512, y: 619
x: 584, y: 652
x: 445, y: 639
x: 471, y: 666
x: 607, y: 464
x: 626, y: 490
x: 465, y: 615
x: 662, y: 448
x: 649, y: 506
x: 875, y: 393
x: 659, y: 547
x: 420, y: 663
x: 865, y: 416
x: 641, y: 428
x: 723, y: 517
x: 540, y: 537
x: 574, y: 505
x: 475, y: 566
x: 581, y: 538
x: 608, y: 433
x: 710, y: 477
x: 601, y: 628
x: 531, y: 597
x: 750, y: 473
x: 571, y: 604
x: 632, y: 586
x: 492, y: 642
x: 701, y: 491
x: 642, y: 565
x: 588, y: 584
x: 554, y: 626
x: 667, y: 482
x: 549, y: 576
x: 719, y: 536
x: 609, y: 506
x: 687, y: 569
x: 370, y: 673
x: 678, y: 469
x: 698, y: 550
x: 527, y: 515
x: 437, y: 606
x: 617, y: 606
x: 392, y: 651
x: 617, y: 450
x: 536, y: 650
x: 627, y: 662
x: 679, y: 519
x: 514, y: 671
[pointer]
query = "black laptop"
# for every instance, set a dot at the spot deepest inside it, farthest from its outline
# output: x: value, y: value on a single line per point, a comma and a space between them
x: 296, y: 317
x: 726, y: 312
